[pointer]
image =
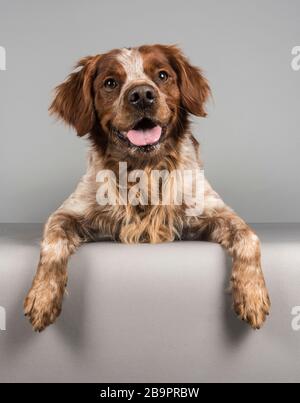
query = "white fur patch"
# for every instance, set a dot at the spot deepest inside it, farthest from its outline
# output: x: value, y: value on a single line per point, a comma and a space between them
x: 212, y: 201
x: 55, y: 249
x: 85, y: 193
x: 254, y: 238
x: 132, y: 62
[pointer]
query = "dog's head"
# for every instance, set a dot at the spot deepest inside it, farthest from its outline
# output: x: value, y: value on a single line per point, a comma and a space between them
x: 136, y: 99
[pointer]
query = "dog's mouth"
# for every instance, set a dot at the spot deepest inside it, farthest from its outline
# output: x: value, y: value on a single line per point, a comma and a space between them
x: 145, y: 134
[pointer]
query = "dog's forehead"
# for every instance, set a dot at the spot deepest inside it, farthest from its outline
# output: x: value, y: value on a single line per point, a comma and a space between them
x: 133, y: 63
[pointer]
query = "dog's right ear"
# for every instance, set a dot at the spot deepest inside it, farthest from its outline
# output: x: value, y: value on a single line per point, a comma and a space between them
x: 73, y: 100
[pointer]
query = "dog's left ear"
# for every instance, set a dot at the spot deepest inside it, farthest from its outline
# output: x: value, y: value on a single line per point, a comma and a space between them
x: 73, y: 101
x: 194, y: 87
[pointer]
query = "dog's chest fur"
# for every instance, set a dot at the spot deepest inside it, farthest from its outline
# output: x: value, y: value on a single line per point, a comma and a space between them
x: 126, y: 222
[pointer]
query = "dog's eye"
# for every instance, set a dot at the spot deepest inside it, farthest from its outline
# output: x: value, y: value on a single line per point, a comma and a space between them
x: 110, y: 83
x: 163, y: 75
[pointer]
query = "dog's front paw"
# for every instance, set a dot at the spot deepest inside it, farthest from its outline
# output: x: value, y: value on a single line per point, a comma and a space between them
x: 250, y: 299
x: 43, y: 303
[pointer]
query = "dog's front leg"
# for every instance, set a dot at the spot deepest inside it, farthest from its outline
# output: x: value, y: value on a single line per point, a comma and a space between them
x: 44, y: 300
x: 250, y: 296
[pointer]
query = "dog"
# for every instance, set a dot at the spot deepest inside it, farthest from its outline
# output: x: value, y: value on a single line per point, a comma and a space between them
x: 134, y: 105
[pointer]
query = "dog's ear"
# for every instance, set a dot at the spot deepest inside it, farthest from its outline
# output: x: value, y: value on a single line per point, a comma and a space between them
x: 194, y: 88
x: 73, y: 100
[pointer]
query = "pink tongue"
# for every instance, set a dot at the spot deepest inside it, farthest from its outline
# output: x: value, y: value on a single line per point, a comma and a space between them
x: 144, y: 137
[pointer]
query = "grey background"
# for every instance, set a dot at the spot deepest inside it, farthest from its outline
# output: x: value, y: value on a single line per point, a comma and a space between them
x: 250, y: 141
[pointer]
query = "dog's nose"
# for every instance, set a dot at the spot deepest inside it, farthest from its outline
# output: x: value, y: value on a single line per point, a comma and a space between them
x: 142, y: 96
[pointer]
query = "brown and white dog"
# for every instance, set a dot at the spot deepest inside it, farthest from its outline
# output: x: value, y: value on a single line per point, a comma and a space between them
x: 134, y: 106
